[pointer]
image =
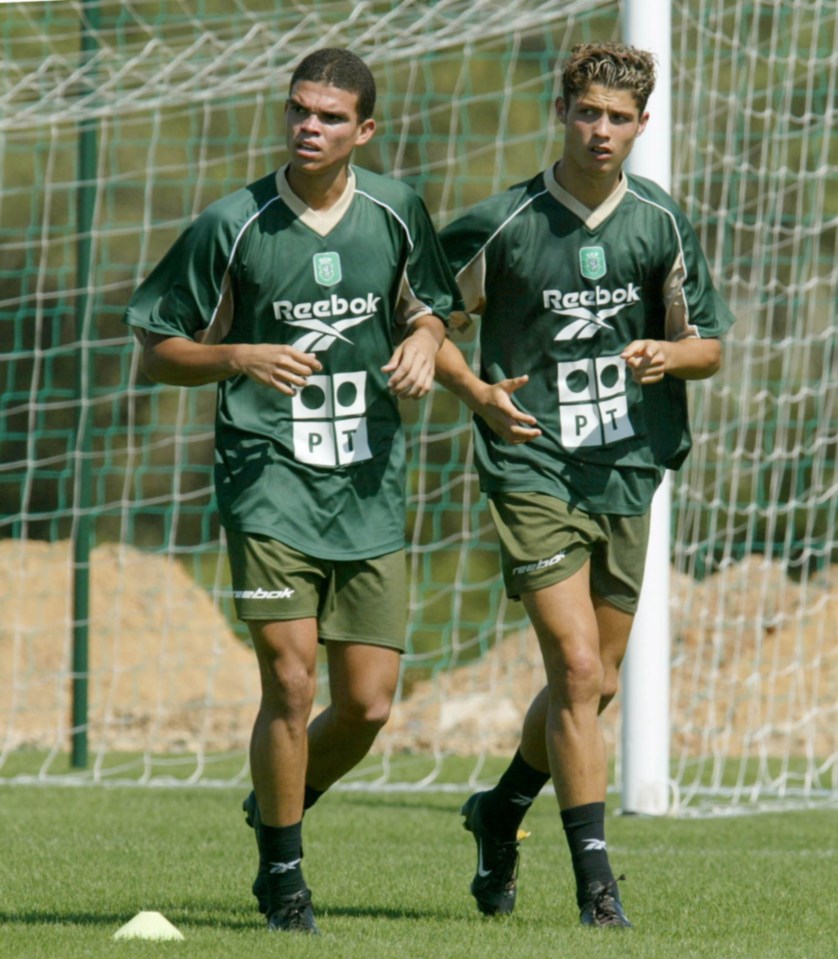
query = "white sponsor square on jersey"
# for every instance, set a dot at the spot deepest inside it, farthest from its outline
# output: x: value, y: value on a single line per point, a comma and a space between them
x: 350, y: 393
x: 593, y: 407
x: 352, y: 440
x: 330, y: 429
x: 611, y: 376
x: 314, y: 442
x: 314, y: 400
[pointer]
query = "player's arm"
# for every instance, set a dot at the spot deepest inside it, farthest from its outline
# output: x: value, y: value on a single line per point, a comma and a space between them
x: 690, y: 358
x: 411, y: 367
x: 491, y: 401
x: 694, y: 320
x: 183, y: 362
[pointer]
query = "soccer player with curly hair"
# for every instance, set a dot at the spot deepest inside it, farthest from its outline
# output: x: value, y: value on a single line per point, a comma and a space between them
x: 596, y: 305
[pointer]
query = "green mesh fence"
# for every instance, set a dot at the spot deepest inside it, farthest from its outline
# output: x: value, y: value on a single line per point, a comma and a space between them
x: 119, y: 122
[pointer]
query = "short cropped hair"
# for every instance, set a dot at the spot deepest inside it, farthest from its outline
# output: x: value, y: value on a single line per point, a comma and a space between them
x: 612, y: 64
x: 340, y: 68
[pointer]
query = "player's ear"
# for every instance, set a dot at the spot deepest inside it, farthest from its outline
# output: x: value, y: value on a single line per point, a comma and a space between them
x: 644, y: 119
x: 365, y: 132
x: 561, y: 110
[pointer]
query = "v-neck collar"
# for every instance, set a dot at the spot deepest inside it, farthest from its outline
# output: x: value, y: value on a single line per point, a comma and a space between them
x: 321, y: 222
x: 591, y: 218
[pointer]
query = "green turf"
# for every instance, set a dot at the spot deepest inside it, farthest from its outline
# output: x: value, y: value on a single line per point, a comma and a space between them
x: 390, y: 874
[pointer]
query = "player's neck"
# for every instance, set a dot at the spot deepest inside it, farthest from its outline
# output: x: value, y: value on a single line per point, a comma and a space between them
x: 589, y: 191
x: 318, y: 191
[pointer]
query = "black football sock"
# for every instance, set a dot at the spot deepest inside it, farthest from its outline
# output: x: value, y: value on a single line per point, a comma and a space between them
x: 584, y: 828
x: 504, y: 807
x: 283, y: 852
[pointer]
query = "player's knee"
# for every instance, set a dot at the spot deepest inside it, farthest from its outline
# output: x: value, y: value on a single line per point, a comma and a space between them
x: 288, y: 691
x: 369, y: 715
x: 583, y: 677
x: 374, y: 715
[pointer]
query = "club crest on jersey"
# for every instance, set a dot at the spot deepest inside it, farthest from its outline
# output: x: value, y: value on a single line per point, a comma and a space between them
x: 592, y: 262
x: 327, y: 270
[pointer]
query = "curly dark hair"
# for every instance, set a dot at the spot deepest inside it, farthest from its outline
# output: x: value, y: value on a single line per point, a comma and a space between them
x: 612, y: 64
x: 340, y: 68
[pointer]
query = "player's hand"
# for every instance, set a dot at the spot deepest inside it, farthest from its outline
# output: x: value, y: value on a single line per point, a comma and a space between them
x: 411, y: 367
x: 503, y: 416
x: 647, y: 361
x: 278, y: 366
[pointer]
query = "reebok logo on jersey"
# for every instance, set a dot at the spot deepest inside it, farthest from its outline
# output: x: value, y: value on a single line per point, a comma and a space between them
x: 260, y: 593
x: 322, y: 335
x: 541, y: 564
x: 585, y: 308
x: 320, y: 318
x: 332, y: 308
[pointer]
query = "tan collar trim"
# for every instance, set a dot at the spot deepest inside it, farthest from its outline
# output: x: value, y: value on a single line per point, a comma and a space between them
x: 320, y: 221
x: 591, y: 218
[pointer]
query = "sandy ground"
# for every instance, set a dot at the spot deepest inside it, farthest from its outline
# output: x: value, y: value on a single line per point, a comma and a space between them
x: 754, y: 665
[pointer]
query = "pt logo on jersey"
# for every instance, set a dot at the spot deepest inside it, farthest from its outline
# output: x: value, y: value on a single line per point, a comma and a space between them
x: 593, y: 406
x: 330, y: 428
x: 592, y: 262
x: 327, y: 270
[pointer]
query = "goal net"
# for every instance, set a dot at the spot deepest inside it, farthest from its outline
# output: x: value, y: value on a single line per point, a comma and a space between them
x: 120, y: 657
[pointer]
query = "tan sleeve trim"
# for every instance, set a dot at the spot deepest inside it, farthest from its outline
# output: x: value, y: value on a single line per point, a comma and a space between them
x: 677, y: 325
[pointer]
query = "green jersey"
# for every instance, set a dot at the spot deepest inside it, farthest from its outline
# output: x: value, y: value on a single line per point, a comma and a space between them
x: 324, y: 470
x: 562, y: 290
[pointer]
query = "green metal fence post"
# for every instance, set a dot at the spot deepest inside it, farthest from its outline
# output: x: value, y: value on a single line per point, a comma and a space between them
x: 87, y: 150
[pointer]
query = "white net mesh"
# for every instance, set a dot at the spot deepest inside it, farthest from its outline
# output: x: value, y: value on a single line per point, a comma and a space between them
x: 119, y: 122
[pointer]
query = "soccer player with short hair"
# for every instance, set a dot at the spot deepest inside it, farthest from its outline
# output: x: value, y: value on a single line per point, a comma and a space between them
x: 316, y: 298
x: 596, y: 305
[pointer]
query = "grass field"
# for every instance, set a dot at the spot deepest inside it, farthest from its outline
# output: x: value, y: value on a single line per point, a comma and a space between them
x: 390, y: 877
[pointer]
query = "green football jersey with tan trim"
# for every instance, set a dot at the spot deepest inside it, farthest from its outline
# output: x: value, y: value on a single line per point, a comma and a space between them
x: 561, y: 291
x: 324, y: 470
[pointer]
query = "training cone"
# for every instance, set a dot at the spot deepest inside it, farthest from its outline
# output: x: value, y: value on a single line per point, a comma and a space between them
x: 148, y: 925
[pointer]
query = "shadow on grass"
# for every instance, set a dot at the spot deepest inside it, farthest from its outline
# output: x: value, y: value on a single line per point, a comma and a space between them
x: 179, y: 918
x: 451, y: 803
x: 53, y: 917
x: 325, y: 911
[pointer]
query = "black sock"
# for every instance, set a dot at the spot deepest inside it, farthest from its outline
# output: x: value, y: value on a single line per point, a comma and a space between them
x: 311, y: 796
x: 584, y: 828
x: 504, y: 807
x: 283, y: 848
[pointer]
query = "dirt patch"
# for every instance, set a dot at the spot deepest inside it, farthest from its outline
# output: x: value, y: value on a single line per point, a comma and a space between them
x: 754, y: 665
x: 166, y: 670
x: 754, y: 673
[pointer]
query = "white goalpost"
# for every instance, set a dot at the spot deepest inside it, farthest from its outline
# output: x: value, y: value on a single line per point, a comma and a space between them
x: 646, y: 783
x: 120, y: 658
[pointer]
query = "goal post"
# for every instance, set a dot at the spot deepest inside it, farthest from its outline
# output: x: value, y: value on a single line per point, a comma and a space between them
x: 646, y: 780
x: 186, y: 100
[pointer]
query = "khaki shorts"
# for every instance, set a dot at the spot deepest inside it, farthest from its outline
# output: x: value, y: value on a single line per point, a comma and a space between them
x: 353, y: 601
x: 544, y: 540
